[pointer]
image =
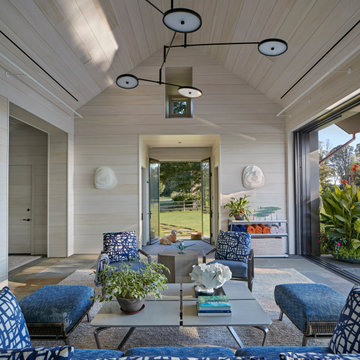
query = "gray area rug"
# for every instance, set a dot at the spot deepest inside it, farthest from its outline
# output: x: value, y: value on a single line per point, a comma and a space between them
x: 281, y: 332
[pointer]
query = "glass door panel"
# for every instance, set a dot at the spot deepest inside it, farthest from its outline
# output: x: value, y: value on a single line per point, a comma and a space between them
x: 206, y: 199
x: 154, y: 187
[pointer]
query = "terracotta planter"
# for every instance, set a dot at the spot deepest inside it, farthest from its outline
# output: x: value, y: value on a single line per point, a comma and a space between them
x: 131, y: 306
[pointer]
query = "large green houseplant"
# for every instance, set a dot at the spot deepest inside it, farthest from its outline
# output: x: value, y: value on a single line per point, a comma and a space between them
x: 341, y: 220
x: 130, y: 287
x: 239, y: 208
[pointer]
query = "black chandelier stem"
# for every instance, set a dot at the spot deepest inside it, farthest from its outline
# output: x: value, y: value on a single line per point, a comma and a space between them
x: 166, y: 53
x: 154, y: 6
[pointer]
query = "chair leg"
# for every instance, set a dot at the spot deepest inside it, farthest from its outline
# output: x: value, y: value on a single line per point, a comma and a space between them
x: 250, y: 284
x: 88, y: 317
x: 281, y: 315
x: 304, y: 341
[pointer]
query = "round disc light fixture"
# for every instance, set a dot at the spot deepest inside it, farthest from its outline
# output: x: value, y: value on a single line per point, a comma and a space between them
x: 189, y: 91
x: 272, y: 47
x: 182, y: 20
x: 127, y: 81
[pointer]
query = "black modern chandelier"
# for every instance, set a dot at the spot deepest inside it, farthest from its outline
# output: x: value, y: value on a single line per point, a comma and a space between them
x: 181, y: 20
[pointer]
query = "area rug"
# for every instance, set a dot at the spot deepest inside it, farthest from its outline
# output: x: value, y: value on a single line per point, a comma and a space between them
x: 281, y: 332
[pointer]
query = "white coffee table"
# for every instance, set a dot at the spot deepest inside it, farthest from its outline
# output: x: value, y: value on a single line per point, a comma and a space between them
x: 177, y: 307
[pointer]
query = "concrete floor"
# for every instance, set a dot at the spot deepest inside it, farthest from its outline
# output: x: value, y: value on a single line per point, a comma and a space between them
x: 25, y: 280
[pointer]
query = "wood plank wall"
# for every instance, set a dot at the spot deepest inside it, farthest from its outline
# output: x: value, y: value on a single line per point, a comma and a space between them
x: 245, y: 120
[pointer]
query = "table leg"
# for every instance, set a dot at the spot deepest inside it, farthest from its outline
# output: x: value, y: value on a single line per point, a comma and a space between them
x: 235, y: 336
x: 265, y: 330
x: 126, y: 337
x: 96, y: 334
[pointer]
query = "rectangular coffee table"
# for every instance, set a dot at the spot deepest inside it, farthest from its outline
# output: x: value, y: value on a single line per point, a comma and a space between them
x: 177, y: 307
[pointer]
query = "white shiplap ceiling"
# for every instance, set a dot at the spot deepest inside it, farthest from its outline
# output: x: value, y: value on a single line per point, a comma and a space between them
x: 85, y: 44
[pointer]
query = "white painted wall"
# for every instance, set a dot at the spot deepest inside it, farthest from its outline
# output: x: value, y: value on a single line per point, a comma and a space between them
x: 4, y: 168
x: 244, y: 119
x: 22, y: 95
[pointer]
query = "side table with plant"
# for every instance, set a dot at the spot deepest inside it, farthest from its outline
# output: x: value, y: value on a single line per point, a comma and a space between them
x: 341, y: 220
x: 130, y: 287
x: 239, y: 208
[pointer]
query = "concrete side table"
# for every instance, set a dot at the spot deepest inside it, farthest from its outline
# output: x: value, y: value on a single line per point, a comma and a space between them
x: 180, y: 265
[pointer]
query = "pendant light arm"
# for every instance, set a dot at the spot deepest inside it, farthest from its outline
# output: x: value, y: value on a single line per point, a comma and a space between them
x: 154, y: 6
x: 211, y: 44
x: 159, y: 82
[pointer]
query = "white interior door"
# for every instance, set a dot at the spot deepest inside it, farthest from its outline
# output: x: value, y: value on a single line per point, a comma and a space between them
x: 20, y: 195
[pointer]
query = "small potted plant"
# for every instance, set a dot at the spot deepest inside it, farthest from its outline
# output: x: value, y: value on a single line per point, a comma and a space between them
x: 239, y: 208
x: 130, y: 287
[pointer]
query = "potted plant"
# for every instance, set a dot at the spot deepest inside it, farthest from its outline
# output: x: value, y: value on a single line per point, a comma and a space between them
x: 130, y: 287
x: 340, y: 219
x: 239, y: 208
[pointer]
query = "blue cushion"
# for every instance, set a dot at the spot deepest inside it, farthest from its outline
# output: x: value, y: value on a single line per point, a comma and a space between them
x: 13, y: 330
x: 238, y: 268
x: 309, y: 302
x: 85, y: 354
x: 41, y: 353
x: 237, y: 228
x: 135, y: 265
x: 273, y: 352
x: 233, y: 245
x: 346, y: 336
x: 181, y: 351
x: 317, y: 356
x: 121, y: 246
x: 65, y: 304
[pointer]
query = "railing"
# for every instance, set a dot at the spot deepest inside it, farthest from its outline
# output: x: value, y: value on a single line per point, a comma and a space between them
x: 185, y: 205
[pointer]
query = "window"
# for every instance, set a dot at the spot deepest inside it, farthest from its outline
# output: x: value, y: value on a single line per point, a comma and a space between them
x: 179, y: 106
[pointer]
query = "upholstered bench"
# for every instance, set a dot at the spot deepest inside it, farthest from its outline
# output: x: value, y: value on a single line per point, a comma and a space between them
x: 56, y: 310
x: 313, y: 308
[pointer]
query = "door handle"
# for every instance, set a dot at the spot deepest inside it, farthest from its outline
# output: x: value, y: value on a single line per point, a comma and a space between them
x: 26, y: 219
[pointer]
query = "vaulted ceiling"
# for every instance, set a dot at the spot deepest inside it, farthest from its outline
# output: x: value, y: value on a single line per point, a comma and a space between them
x: 85, y: 44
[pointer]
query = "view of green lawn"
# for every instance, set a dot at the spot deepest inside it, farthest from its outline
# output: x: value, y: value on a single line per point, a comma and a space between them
x: 185, y: 222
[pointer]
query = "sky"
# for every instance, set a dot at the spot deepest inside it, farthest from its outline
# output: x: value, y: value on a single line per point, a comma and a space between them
x: 337, y: 136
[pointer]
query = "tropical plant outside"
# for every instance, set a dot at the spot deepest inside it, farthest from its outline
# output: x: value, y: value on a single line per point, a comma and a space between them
x: 340, y: 218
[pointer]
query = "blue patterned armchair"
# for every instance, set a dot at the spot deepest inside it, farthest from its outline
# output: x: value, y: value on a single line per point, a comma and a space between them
x: 119, y: 249
x: 234, y: 250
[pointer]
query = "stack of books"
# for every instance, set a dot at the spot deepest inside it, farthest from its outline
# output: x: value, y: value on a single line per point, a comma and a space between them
x: 213, y: 306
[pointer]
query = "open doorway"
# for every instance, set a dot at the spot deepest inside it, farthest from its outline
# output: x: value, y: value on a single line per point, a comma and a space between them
x: 180, y: 199
x: 28, y: 167
x: 327, y: 156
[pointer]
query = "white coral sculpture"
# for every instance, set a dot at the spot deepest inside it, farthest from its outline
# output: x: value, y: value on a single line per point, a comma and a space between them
x: 209, y: 277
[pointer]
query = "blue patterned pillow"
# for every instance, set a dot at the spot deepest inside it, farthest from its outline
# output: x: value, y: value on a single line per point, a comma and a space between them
x: 346, y: 336
x: 121, y: 246
x: 14, y: 333
x: 40, y: 353
x: 317, y: 356
x: 233, y: 245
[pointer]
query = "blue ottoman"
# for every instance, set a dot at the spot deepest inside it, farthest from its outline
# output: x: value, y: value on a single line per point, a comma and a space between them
x: 56, y: 310
x: 313, y: 308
